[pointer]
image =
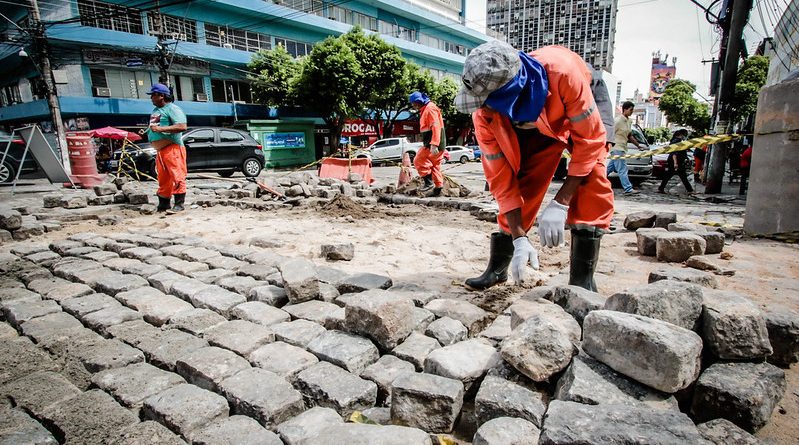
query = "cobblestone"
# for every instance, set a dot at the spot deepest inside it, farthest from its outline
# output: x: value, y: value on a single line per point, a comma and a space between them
x: 185, y: 408
x: 329, y: 386
x: 282, y: 358
x: 263, y: 395
x: 260, y: 313
x: 239, y: 336
x: 131, y: 385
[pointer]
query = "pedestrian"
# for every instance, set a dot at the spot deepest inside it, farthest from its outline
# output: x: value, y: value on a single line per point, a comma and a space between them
x: 675, y: 164
x: 699, y: 163
x: 622, y: 130
x: 526, y: 109
x: 746, y: 162
x: 165, y: 133
x: 428, y: 159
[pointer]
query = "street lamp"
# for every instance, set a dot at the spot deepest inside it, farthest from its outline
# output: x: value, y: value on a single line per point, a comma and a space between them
x: 23, y: 53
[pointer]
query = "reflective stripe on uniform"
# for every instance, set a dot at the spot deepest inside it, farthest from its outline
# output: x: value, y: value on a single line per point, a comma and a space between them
x: 584, y: 115
x: 494, y: 157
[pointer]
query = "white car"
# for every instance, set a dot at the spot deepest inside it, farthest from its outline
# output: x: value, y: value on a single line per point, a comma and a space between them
x: 389, y: 150
x: 459, y: 153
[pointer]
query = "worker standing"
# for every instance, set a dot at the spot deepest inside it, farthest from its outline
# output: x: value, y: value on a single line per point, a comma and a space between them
x: 526, y: 109
x: 428, y: 159
x: 167, y: 123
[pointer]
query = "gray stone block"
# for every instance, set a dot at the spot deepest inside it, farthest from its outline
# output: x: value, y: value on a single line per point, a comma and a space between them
x: 474, y: 318
x: 155, y: 306
x: 239, y: 336
x: 211, y: 275
x: 687, y: 275
x: 349, y: 351
x: 330, y: 386
x: 18, y: 428
x: 81, y: 306
x: 185, y: 408
x: 384, y: 371
x: 298, y: 332
x: 421, y: 319
x: 240, y: 284
x: 425, y: 401
x: 733, y: 328
x: 299, y: 280
x: 42, y: 328
x: 362, y: 282
x: 570, y: 423
x: 382, y: 316
x: 498, y: 397
x: 506, y: 431
x: 743, y: 393
x: 45, y: 259
x: 20, y: 357
x: 207, y: 367
x: 308, y: 425
x: 338, y: 252
x: 676, y: 302
x: 148, y: 432
x: 166, y: 347
x: 783, y: 333
x: 104, y: 318
x: 9, y: 295
x: 260, y: 313
x: 195, y: 321
x: 714, y: 242
x: 317, y: 311
x: 132, y: 384
x: 163, y: 281
x: 447, y: 331
x: 282, y: 358
x: 724, y: 432
x: 187, y: 288
x: 107, y: 354
x: 217, y: 299
x: 677, y: 351
x: 353, y: 433
x: 18, y: 312
x: 38, y: 391
x: 269, y: 294
x: 225, y: 262
x: 105, y: 189
x: 576, y: 301
x: 200, y: 254
x: 10, y: 219
x: 187, y: 267
x: 637, y: 220
x: 140, y: 253
x: 663, y: 219
x: 676, y: 247
x: 416, y: 348
x: 92, y: 417
x: 262, y: 395
x: 467, y: 361
x: 235, y: 430
x: 591, y: 382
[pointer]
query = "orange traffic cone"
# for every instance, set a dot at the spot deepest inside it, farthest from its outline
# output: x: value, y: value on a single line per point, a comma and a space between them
x: 405, y: 170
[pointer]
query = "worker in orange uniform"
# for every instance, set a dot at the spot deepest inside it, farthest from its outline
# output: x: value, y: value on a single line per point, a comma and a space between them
x: 428, y: 159
x: 528, y: 108
x: 165, y: 133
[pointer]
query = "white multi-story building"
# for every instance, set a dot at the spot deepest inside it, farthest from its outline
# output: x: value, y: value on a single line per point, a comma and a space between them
x: 785, y: 58
x: 587, y: 27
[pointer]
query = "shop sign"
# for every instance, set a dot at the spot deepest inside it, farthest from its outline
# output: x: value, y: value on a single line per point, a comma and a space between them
x: 358, y: 128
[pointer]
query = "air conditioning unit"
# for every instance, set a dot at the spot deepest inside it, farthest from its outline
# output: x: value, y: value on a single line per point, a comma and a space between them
x: 102, y: 92
x: 200, y: 97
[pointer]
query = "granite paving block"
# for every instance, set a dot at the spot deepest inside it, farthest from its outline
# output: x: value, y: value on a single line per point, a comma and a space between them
x: 194, y: 321
x: 260, y: 313
x: 235, y: 430
x: 298, y: 332
x: 132, y: 384
x: 330, y: 386
x: 351, y: 352
x: 239, y: 336
x: 90, y: 418
x: 207, y: 367
x: 217, y: 299
x: 282, y: 358
x: 262, y: 395
x: 185, y: 408
x: 155, y: 306
x: 38, y: 391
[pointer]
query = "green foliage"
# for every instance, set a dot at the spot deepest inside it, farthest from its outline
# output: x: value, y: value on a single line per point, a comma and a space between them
x: 444, y: 96
x: 275, y: 70
x: 659, y: 134
x: 329, y: 83
x: 751, y: 78
x: 681, y: 108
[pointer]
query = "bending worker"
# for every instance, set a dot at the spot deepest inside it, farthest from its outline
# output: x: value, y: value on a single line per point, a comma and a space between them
x: 165, y: 133
x: 528, y: 108
x: 428, y: 159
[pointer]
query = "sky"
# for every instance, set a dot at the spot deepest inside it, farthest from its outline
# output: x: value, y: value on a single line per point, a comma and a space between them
x: 677, y: 28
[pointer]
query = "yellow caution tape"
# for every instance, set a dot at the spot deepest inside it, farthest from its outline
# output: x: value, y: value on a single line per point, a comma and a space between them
x: 679, y: 146
x: 358, y: 417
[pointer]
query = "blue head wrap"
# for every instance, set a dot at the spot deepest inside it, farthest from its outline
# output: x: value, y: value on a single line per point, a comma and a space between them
x: 522, y: 99
x: 417, y: 96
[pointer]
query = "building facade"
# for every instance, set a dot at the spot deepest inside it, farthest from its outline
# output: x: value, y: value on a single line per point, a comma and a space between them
x: 105, y: 55
x: 784, y: 49
x: 587, y: 27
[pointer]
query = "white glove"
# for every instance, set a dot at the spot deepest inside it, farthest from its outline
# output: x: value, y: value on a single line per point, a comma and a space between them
x: 523, y: 253
x: 433, y: 150
x: 551, y: 224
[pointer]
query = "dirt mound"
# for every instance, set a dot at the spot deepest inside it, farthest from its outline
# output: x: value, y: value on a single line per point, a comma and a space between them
x: 343, y: 206
x: 450, y: 188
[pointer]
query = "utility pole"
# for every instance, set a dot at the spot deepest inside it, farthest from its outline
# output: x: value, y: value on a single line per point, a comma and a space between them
x: 162, y: 57
x: 40, y: 49
x: 718, y: 154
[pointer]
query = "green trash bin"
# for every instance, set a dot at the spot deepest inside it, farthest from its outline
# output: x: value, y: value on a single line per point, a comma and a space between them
x: 285, y: 143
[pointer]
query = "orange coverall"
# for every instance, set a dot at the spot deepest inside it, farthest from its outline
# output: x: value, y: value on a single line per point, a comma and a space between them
x: 425, y: 162
x: 170, y: 164
x: 518, y: 177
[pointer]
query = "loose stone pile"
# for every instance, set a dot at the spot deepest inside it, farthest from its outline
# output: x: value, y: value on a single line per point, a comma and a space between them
x: 152, y: 337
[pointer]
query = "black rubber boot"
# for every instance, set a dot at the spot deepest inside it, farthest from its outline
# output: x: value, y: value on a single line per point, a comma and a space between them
x: 163, y: 204
x: 428, y: 183
x: 498, y: 262
x: 437, y: 191
x: 584, y: 257
x: 180, y: 199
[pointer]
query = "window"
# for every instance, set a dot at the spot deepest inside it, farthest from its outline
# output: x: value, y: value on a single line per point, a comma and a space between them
x: 98, y: 78
x: 198, y: 85
x: 109, y: 16
x: 222, y: 36
x: 296, y: 49
x: 309, y: 6
x: 366, y: 22
x: 394, y: 30
x: 202, y: 135
x: 229, y: 136
x: 230, y: 90
x: 9, y: 95
x: 177, y: 28
x: 339, y: 14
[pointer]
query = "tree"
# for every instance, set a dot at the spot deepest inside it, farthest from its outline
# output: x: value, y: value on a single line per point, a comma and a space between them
x: 444, y: 96
x: 751, y: 78
x: 681, y: 108
x: 658, y: 134
x: 330, y: 84
x: 274, y: 70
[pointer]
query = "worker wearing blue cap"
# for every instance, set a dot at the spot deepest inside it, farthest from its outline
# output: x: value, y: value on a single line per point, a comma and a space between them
x: 165, y: 133
x: 428, y: 159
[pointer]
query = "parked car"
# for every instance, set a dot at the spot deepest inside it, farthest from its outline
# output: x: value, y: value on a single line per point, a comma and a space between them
x: 224, y: 150
x: 639, y: 168
x: 389, y: 150
x: 460, y: 154
x: 11, y: 164
x: 475, y: 151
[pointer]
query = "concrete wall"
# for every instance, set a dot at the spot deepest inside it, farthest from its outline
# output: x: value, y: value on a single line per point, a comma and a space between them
x: 772, y: 206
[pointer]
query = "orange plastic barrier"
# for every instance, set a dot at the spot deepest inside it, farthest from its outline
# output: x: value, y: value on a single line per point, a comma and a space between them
x: 340, y: 168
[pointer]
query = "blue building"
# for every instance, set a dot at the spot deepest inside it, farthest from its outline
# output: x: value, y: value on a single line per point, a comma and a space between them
x: 105, y: 59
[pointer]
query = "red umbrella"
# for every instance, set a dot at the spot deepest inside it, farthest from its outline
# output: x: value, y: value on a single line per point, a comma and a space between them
x: 114, y: 133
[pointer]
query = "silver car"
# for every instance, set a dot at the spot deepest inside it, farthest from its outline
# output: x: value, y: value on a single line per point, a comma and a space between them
x: 459, y: 153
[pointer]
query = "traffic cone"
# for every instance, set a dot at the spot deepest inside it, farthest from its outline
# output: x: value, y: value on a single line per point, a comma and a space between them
x: 405, y: 170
